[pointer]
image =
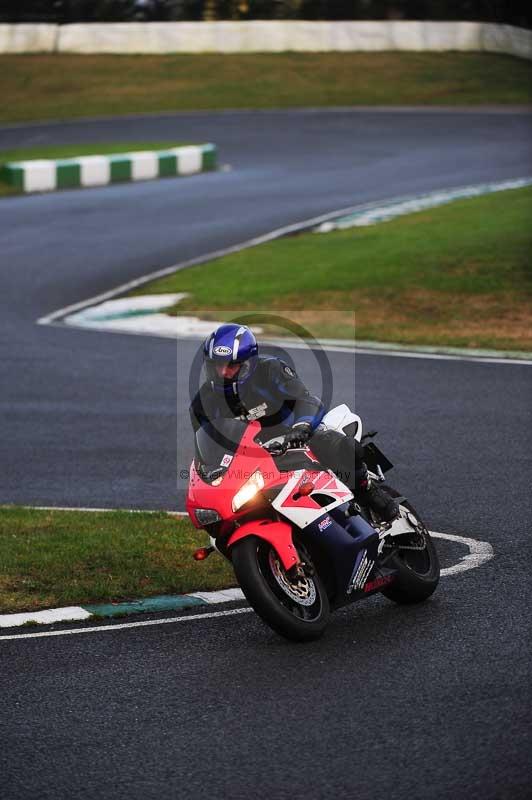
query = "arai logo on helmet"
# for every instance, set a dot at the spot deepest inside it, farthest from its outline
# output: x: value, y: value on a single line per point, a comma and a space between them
x: 222, y: 350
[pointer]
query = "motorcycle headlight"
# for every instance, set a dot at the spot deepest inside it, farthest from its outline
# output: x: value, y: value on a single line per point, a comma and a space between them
x: 248, y: 491
x: 206, y: 516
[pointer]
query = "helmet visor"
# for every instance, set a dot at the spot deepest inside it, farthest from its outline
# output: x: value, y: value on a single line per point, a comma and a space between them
x: 222, y: 371
x: 227, y: 372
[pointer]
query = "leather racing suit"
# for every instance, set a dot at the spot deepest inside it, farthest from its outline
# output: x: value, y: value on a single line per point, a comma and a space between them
x: 279, y: 399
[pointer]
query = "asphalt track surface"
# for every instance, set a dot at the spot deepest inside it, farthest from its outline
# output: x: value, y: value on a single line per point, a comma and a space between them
x: 425, y: 702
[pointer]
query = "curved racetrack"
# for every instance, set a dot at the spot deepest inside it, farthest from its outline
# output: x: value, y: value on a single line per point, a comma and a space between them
x: 426, y: 702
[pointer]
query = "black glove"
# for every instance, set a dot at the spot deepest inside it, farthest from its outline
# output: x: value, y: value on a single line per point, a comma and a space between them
x: 299, y: 435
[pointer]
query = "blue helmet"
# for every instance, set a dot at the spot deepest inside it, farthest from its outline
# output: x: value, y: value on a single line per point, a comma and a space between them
x: 230, y: 355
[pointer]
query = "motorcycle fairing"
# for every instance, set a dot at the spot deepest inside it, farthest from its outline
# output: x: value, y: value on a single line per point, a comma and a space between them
x: 346, y: 545
x: 303, y: 510
x: 249, y: 456
x: 278, y: 534
x: 343, y: 420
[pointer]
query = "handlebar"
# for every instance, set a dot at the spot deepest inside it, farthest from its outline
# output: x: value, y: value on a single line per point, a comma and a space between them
x: 280, y: 448
x: 276, y: 448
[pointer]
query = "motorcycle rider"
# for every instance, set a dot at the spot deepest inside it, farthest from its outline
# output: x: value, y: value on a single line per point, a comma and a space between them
x: 242, y: 384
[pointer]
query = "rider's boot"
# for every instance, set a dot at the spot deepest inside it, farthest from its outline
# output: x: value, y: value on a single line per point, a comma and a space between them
x: 377, y: 499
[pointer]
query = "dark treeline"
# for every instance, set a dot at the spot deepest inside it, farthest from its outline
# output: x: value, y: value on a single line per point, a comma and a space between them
x: 65, y: 11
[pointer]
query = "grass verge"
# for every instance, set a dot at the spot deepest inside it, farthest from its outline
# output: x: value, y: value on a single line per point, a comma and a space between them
x: 61, y: 558
x: 73, y: 151
x: 459, y: 275
x: 63, y: 86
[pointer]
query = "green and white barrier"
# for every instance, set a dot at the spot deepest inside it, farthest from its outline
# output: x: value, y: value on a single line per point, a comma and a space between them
x: 152, y: 605
x: 48, y: 175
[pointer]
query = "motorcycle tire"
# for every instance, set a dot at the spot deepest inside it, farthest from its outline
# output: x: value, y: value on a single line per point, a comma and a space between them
x: 418, y: 575
x: 296, y: 609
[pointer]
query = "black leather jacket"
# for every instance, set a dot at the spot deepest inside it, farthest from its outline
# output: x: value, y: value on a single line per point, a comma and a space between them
x: 273, y: 394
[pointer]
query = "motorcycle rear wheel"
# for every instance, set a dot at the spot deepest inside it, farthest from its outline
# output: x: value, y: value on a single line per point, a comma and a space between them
x: 418, y: 570
x: 297, y: 609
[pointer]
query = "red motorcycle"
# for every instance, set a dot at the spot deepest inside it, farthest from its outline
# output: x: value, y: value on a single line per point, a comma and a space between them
x: 299, y: 542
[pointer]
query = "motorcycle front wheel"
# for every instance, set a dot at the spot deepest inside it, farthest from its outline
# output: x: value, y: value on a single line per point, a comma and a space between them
x: 296, y: 607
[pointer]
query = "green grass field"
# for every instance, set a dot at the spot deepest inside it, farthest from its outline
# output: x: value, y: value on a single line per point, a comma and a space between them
x: 73, y: 151
x: 458, y: 275
x: 61, y: 558
x: 65, y: 86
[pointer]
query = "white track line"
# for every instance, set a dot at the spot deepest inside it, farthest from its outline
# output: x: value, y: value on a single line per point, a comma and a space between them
x: 364, y: 350
x: 396, y: 352
x: 121, y: 626
x: 253, y: 242
x: 224, y: 251
x: 479, y: 553
x: 104, y: 510
x: 57, y: 316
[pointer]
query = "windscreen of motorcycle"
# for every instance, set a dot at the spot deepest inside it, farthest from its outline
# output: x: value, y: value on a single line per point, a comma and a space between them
x: 217, y: 442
